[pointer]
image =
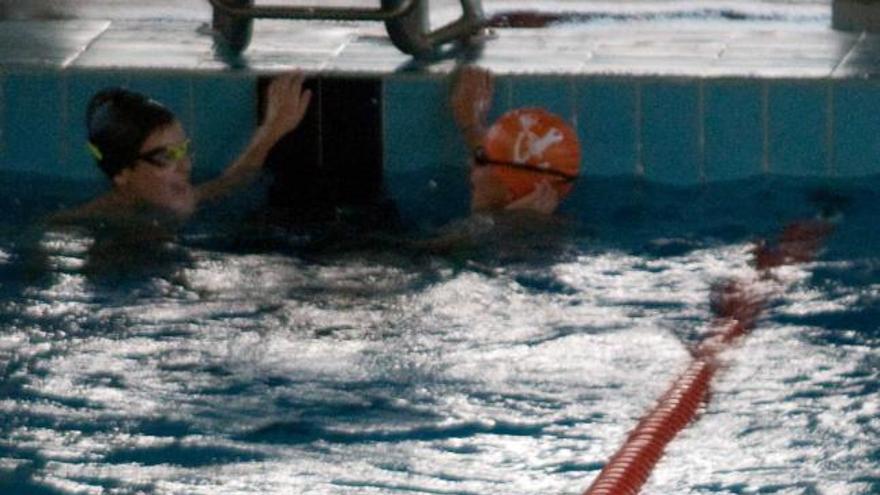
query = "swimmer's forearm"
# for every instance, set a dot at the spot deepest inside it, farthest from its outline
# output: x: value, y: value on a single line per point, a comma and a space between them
x: 470, y: 98
x: 473, y: 135
x: 286, y: 106
x: 243, y: 170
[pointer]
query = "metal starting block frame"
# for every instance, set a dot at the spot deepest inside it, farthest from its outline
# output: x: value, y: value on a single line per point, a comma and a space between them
x: 405, y: 20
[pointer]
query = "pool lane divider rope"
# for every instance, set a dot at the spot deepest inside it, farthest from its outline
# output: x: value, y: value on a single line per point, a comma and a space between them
x: 736, y: 305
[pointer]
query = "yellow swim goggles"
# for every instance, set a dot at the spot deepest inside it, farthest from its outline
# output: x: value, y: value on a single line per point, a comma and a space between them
x: 164, y: 156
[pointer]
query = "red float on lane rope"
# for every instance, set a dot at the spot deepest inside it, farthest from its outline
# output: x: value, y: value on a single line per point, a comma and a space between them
x: 736, y: 309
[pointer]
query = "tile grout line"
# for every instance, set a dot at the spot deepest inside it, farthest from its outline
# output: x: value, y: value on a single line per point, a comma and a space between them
x: 2, y: 113
x: 765, y: 127
x: 830, y: 165
x: 572, y: 102
x: 191, y: 107
x: 637, y: 116
x: 383, y: 115
x: 64, y: 151
x: 701, y: 131
x: 573, y: 94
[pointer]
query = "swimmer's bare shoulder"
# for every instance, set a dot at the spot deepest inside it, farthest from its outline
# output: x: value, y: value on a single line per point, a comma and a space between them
x: 101, y: 208
x: 110, y: 211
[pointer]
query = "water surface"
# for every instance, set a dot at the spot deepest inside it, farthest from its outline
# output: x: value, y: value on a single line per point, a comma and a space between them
x: 224, y: 363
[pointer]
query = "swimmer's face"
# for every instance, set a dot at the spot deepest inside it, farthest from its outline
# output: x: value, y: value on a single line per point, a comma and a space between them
x: 487, y: 191
x: 160, y: 177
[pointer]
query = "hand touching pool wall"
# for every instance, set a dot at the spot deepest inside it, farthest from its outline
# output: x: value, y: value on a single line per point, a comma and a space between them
x: 286, y: 105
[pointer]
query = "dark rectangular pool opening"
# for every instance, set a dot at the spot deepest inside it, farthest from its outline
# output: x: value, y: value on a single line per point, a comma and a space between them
x: 334, y: 159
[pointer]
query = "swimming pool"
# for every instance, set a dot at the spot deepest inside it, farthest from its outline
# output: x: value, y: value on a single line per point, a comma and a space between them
x: 242, y: 360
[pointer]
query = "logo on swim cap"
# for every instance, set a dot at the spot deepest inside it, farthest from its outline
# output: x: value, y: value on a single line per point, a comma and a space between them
x: 531, y: 145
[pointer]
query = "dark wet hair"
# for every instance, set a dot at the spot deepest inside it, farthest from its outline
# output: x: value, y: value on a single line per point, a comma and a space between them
x: 119, y: 121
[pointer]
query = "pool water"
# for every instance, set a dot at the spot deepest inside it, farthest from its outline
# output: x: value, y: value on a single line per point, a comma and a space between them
x: 243, y: 360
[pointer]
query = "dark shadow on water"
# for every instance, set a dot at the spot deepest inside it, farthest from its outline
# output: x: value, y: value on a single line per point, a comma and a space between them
x: 601, y: 215
x: 125, y: 257
x: 183, y: 456
x: 116, y: 266
x: 837, y: 328
x: 299, y: 432
x: 20, y: 480
x: 659, y: 220
x: 536, y: 281
x: 502, y: 239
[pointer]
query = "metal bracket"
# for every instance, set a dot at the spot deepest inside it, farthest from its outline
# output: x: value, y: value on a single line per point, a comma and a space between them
x: 405, y: 20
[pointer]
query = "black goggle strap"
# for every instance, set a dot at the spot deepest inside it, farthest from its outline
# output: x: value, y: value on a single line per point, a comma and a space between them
x: 481, y: 160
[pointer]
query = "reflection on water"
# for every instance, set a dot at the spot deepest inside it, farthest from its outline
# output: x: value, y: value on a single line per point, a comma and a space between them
x: 280, y: 369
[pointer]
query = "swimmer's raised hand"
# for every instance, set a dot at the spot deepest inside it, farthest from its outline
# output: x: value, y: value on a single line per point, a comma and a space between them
x: 286, y: 105
x: 470, y: 100
x: 543, y: 199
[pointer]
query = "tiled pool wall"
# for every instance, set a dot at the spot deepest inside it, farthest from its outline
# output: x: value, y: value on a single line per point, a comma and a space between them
x: 680, y: 131
x: 43, y: 116
x: 674, y: 131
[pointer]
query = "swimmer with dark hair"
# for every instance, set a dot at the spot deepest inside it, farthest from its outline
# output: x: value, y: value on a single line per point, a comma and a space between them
x: 143, y: 149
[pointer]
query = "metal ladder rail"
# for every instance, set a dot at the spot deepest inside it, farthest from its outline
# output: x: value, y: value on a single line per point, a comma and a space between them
x: 405, y: 20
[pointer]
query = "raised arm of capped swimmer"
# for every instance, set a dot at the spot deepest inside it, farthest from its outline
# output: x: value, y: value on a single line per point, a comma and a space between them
x: 286, y: 105
x: 470, y: 99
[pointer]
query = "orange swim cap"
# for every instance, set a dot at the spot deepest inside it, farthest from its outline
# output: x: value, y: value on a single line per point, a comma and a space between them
x: 530, y: 145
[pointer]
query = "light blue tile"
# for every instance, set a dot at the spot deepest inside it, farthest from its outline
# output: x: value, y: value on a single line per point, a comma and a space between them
x: 607, y: 127
x: 553, y: 94
x: 32, y: 120
x: 425, y: 156
x: 734, y: 130
x: 798, y: 116
x: 856, y: 127
x: 670, y: 133
x: 419, y: 129
x: 225, y: 118
x: 501, y: 98
x: 81, y: 86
